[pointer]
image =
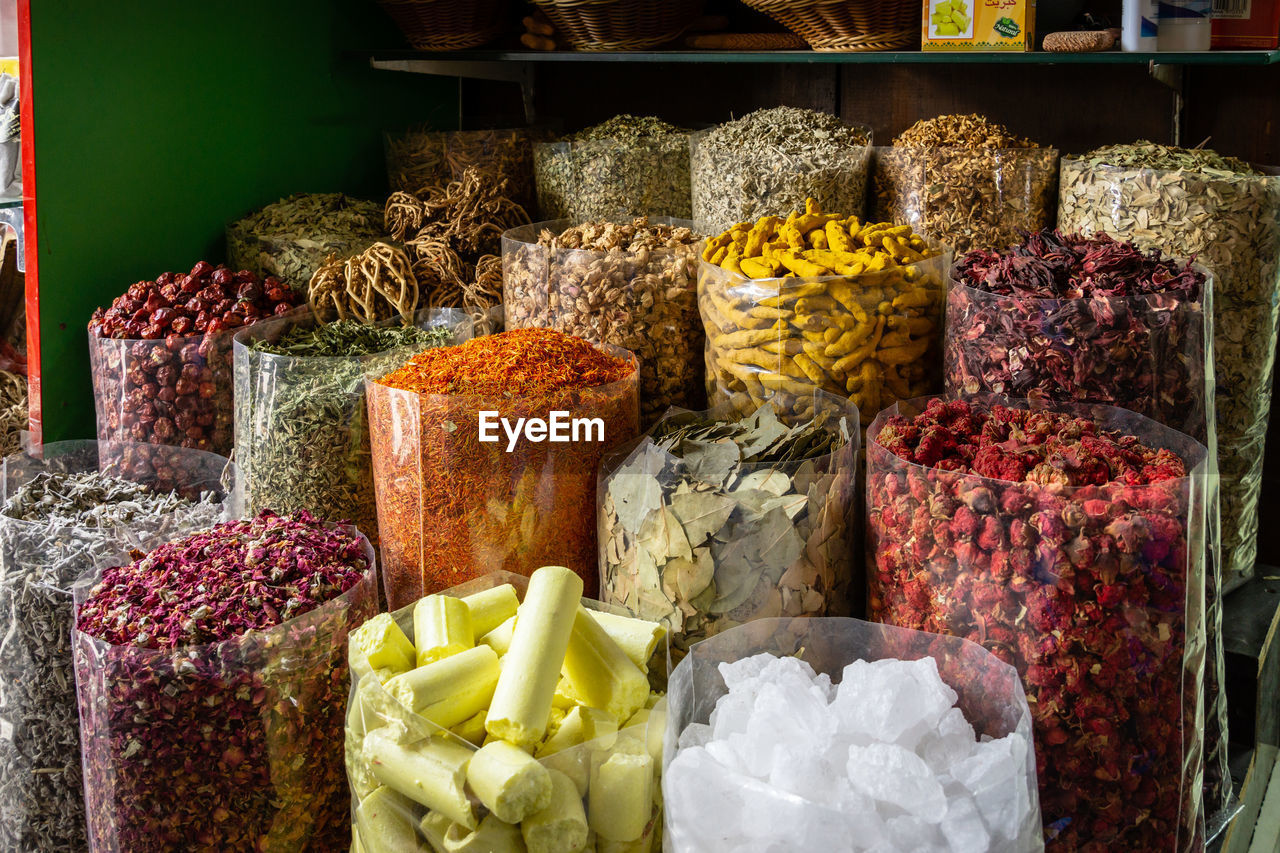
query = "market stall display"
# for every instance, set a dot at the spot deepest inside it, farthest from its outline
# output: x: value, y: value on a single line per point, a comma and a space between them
x: 421, y: 158
x: 61, y: 515
x: 211, y: 675
x: 965, y: 181
x: 291, y: 238
x: 160, y: 357
x: 924, y: 745
x: 1084, y: 319
x: 713, y: 519
x: 302, y: 433
x: 1070, y: 543
x: 1225, y: 214
x: 624, y: 167
x: 770, y: 161
x: 473, y: 471
x: 821, y: 301
x: 627, y: 284
x: 469, y: 737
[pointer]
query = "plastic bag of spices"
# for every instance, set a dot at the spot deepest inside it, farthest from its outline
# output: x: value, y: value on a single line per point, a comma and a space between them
x: 60, y: 515
x: 211, y: 679
x: 713, y: 519
x: 160, y: 358
x: 627, y: 284
x: 425, y: 774
x: 1226, y: 215
x: 1070, y: 541
x: 825, y: 302
x: 839, y: 734
x: 420, y: 158
x: 485, y: 456
x: 626, y: 166
x: 301, y: 418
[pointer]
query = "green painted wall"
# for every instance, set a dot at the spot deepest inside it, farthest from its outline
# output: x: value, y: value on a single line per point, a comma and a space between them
x: 158, y: 122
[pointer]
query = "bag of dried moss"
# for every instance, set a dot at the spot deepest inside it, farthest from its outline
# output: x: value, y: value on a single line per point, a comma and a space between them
x: 966, y: 181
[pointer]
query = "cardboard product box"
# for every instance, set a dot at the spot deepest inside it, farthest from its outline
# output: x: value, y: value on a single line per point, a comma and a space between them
x: 1246, y: 24
x: 981, y: 25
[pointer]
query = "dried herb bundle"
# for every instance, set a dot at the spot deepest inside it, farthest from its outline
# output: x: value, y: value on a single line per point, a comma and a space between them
x: 301, y: 423
x: 1069, y: 547
x: 630, y: 284
x: 375, y: 285
x: 624, y: 167
x: 54, y: 528
x: 709, y: 523
x: 212, y: 679
x: 966, y: 181
x: 449, y: 233
x: 1065, y: 317
x: 770, y: 161
x: 291, y: 238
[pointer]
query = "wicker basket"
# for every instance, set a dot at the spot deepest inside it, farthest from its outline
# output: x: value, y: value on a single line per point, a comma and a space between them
x: 447, y: 24
x: 619, y: 24
x: 848, y: 24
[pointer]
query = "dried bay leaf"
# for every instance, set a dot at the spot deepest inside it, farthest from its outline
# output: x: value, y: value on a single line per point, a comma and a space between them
x: 663, y: 537
x: 634, y: 496
x: 769, y: 480
x: 701, y: 514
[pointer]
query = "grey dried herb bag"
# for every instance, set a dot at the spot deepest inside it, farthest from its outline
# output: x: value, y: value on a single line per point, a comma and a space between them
x: 1227, y: 216
x: 770, y: 161
x: 60, y: 516
x: 291, y: 238
x: 627, y: 166
x: 302, y: 434
x: 714, y: 519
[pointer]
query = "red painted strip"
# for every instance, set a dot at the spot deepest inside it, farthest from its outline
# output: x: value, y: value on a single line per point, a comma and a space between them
x: 25, y: 69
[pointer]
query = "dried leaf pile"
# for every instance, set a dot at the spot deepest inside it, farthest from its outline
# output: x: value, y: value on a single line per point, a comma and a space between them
x: 709, y: 523
x: 966, y: 181
x: 14, y: 416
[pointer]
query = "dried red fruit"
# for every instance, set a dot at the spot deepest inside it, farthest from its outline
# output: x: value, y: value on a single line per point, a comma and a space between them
x: 1077, y: 573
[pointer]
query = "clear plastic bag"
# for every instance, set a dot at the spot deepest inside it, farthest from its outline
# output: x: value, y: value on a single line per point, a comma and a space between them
x: 1230, y: 223
x: 451, y: 507
x: 40, y: 560
x: 729, y: 188
x: 227, y: 746
x: 874, y: 337
x: 1095, y: 593
x: 969, y: 198
x: 386, y: 821
x: 421, y: 158
x: 763, y: 539
x: 644, y: 301
x: 302, y: 434
x: 1149, y: 353
x: 990, y: 697
x: 613, y: 179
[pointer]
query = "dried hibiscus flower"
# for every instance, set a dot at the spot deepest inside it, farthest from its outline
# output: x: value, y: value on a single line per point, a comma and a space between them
x: 1069, y: 546
x: 212, y: 680
x: 1082, y: 319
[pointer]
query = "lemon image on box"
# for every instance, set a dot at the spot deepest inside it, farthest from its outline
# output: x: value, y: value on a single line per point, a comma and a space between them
x: 950, y: 17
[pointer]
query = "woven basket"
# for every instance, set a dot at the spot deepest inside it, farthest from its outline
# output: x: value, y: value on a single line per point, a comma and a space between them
x: 619, y: 24
x: 847, y: 24
x: 447, y: 24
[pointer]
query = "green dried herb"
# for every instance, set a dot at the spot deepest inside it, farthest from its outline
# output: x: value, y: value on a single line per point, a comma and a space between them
x: 709, y: 523
x: 300, y: 416
x: 624, y: 167
x: 770, y: 161
x: 1152, y: 155
x: 291, y: 238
